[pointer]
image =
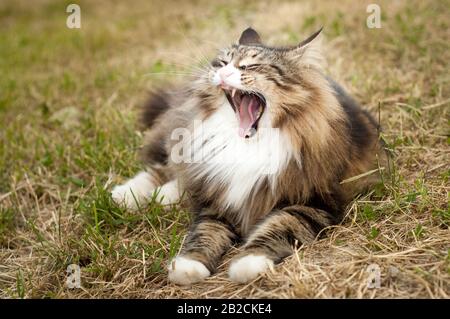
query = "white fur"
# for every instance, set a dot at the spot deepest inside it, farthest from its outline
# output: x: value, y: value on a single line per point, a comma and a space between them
x: 239, y: 164
x: 185, y: 271
x: 248, y: 268
x: 135, y: 192
x: 169, y: 193
x: 228, y: 75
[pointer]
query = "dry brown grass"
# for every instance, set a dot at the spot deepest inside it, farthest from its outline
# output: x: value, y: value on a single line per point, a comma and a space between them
x: 53, y: 203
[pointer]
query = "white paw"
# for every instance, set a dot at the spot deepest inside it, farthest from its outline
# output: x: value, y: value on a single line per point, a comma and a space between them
x: 169, y: 193
x: 123, y: 195
x: 135, y: 192
x: 185, y: 271
x: 248, y: 268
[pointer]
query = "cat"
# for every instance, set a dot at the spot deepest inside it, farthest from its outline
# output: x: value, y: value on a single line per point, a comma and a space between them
x: 257, y: 147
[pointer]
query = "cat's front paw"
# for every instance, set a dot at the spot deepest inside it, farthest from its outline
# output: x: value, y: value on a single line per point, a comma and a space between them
x: 135, y: 192
x: 247, y: 268
x: 186, y: 271
x: 123, y: 195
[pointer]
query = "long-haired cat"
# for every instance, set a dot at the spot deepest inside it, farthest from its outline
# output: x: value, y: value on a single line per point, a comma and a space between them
x: 257, y: 148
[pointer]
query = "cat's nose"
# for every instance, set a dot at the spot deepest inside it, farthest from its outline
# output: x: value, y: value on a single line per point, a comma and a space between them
x: 224, y: 74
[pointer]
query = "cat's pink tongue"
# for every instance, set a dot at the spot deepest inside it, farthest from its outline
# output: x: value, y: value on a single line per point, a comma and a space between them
x: 247, y: 114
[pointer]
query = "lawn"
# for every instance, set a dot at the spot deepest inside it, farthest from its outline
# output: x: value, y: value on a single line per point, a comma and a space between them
x: 69, y: 131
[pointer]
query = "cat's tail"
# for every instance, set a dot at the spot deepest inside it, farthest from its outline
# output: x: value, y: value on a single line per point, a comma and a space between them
x: 157, y: 104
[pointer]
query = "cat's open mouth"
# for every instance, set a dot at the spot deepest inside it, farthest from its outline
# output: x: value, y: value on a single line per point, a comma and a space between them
x: 249, y: 107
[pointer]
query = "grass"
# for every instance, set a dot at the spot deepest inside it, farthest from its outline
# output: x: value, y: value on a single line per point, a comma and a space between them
x: 68, y: 111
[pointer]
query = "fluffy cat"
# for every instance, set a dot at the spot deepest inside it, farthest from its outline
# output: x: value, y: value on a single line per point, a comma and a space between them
x: 257, y: 148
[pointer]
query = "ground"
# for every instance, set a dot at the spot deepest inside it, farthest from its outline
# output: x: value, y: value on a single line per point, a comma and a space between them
x: 69, y: 101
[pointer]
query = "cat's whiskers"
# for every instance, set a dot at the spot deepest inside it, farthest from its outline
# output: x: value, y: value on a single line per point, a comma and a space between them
x: 193, y: 47
x: 194, y: 64
x: 188, y: 74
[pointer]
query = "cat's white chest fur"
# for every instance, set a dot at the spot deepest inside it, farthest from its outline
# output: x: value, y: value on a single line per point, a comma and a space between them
x: 222, y: 157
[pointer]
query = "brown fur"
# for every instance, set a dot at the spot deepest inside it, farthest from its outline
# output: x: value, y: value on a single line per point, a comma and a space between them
x: 332, y: 137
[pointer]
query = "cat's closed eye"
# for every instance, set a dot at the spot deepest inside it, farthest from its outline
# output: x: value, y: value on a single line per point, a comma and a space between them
x: 217, y: 63
x: 249, y: 66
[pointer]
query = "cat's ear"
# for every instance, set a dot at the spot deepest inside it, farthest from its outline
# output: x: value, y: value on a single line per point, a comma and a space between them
x: 308, y: 40
x: 309, y: 51
x: 249, y: 37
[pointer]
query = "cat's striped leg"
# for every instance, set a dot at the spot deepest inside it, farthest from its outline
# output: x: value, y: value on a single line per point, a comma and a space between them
x: 208, y: 239
x: 274, y: 239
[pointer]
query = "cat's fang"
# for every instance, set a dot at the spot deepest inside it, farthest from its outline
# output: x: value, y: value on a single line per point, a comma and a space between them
x: 249, y: 108
x: 260, y: 110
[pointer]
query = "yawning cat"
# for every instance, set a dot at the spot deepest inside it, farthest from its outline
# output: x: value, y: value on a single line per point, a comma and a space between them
x: 257, y: 148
